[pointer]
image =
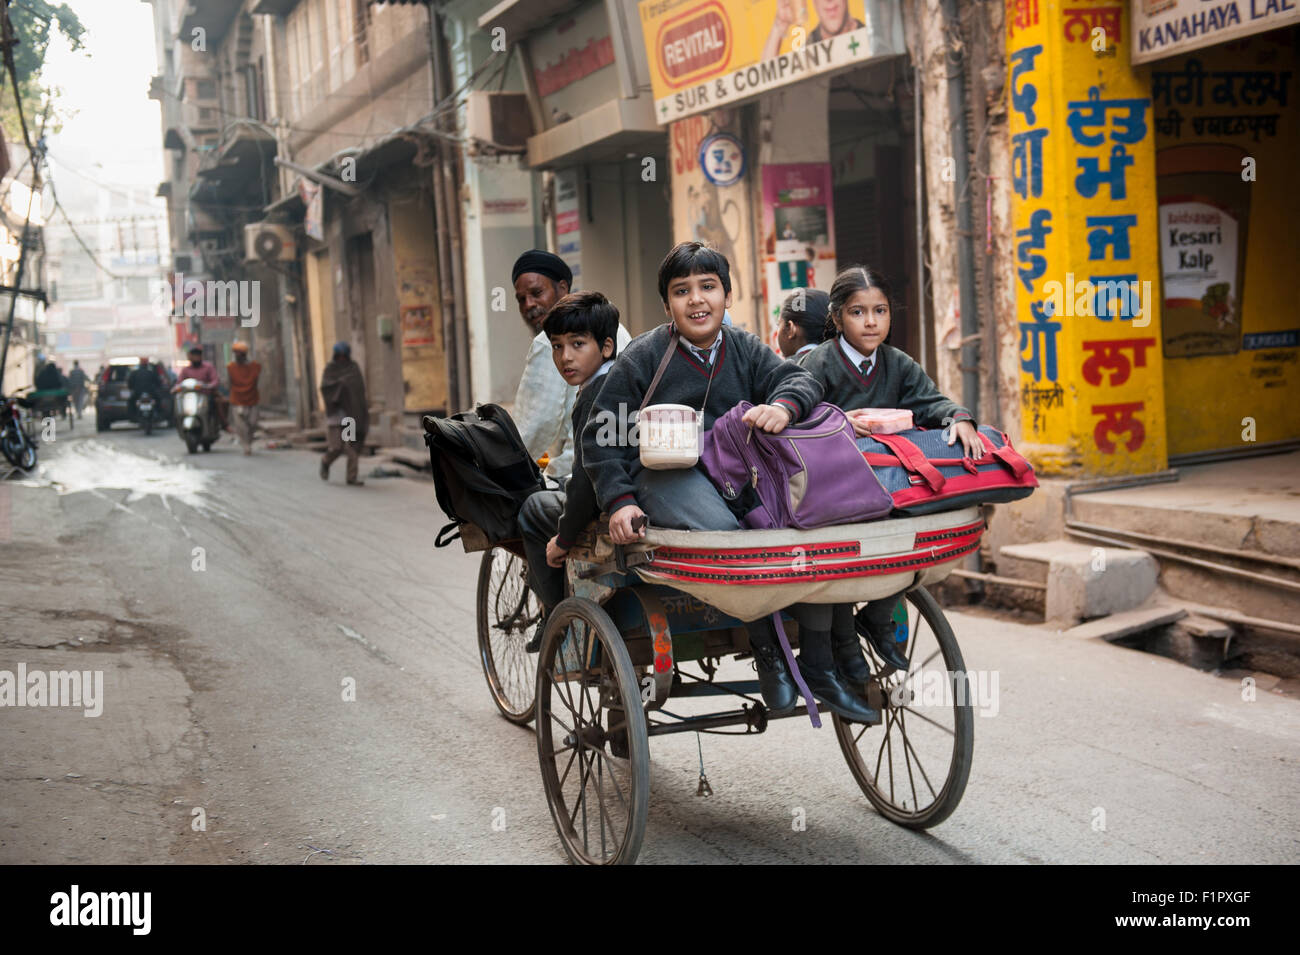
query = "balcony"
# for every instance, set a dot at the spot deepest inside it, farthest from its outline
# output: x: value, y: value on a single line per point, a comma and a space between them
x: 213, y: 17
x: 233, y: 172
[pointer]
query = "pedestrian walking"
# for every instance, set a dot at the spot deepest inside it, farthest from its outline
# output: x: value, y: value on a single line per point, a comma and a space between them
x: 244, y: 399
x: 346, y: 410
x: 77, y: 386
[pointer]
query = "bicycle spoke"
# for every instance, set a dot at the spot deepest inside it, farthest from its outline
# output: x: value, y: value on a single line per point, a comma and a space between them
x: 908, y: 745
x: 918, y: 713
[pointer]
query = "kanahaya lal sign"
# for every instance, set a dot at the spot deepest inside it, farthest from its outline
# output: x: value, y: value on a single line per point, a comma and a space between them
x: 1164, y: 28
x: 709, y: 53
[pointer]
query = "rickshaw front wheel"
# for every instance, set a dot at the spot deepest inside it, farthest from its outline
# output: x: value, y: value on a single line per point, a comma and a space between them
x: 914, y: 765
x: 591, y: 736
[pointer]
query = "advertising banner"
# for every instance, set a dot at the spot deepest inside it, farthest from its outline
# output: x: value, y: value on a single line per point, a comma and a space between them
x: 798, y: 231
x: 1167, y: 27
x: 705, y: 54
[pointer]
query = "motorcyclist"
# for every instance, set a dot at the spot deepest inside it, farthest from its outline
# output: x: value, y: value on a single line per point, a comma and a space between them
x: 143, y: 380
x: 206, y: 375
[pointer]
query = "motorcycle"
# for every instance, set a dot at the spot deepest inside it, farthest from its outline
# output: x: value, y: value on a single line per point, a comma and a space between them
x: 196, y: 420
x: 18, y: 447
x: 145, y: 408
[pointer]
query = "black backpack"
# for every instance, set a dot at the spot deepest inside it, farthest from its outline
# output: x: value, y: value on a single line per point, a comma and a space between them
x: 482, y: 471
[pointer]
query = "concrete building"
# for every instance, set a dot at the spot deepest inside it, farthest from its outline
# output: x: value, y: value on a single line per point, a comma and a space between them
x: 22, y: 224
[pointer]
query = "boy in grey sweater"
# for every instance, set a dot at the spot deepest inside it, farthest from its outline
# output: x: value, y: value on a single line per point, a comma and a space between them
x: 713, y: 367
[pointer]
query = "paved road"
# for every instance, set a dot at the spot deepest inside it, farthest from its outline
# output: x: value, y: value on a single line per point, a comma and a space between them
x: 225, y: 737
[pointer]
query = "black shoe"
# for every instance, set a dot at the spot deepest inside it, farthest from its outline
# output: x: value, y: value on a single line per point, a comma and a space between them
x: 830, y: 690
x: 535, y: 644
x: 780, y: 695
x: 849, y: 660
x: 886, y: 647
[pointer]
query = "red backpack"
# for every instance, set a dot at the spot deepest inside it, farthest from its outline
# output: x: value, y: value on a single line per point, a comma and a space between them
x: 923, y: 474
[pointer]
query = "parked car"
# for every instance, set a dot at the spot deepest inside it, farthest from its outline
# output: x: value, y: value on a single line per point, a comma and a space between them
x: 113, y: 396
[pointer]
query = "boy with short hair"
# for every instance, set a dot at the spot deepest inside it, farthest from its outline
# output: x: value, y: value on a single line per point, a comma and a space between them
x: 583, y: 329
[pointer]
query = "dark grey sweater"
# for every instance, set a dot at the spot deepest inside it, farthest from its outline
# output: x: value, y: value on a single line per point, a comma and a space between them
x: 745, y: 369
x: 896, y: 381
x: 580, y: 507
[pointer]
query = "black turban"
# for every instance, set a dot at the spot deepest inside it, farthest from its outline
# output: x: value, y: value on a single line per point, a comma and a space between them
x: 543, y: 263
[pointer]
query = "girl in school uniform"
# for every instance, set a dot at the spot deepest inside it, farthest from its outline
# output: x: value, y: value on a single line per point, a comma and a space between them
x: 857, y: 369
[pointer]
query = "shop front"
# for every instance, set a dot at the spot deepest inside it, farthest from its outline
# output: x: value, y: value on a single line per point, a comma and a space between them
x: 1153, y: 224
x: 789, y: 141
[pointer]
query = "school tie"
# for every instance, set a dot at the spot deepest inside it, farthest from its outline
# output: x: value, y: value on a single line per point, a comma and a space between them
x: 702, y: 354
x: 866, y: 367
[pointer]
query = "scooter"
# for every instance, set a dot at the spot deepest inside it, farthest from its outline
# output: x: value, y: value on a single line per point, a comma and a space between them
x: 145, y: 408
x: 196, y: 420
x: 17, y: 445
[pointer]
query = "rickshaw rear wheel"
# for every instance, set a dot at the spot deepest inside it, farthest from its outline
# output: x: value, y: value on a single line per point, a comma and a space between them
x: 507, y: 612
x: 592, y: 742
x: 886, y: 760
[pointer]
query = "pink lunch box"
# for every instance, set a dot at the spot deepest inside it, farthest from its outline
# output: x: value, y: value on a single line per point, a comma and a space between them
x: 885, y: 420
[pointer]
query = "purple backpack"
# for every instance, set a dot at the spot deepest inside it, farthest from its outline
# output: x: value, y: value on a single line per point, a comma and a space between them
x: 810, y: 475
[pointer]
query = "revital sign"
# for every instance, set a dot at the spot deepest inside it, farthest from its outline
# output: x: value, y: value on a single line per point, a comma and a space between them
x: 705, y: 54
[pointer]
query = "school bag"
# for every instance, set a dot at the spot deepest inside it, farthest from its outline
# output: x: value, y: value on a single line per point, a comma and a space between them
x: 482, y: 471
x: 810, y: 475
x: 923, y: 474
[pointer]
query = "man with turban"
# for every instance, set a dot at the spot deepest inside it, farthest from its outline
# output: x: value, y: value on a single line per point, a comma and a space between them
x: 544, y: 402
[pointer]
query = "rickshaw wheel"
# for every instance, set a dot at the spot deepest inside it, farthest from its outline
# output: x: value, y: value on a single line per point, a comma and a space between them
x: 507, y: 614
x: 589, y: 711
x: 914, y: 765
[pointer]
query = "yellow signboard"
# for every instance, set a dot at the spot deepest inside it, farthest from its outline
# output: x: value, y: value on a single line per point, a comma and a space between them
x: 1087, y: 267
x: 706, y: 54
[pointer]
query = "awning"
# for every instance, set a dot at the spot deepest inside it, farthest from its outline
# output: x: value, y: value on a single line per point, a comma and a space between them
x: 604, y: 134
x: 521, y: 17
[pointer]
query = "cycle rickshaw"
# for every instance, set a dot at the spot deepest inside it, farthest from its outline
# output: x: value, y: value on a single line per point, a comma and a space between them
x: 652, y: 623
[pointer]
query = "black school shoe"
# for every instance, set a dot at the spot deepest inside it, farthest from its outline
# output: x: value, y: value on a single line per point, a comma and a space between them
x: 831, y: 691
x: 849, y: 660
x: 886, y: 647
x: 780, y: 695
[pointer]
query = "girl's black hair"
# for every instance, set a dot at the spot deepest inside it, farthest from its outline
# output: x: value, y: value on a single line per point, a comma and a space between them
x: 850, y: 281
x: 584, y: 313
x: 812, y: 317
x: 693, y: 258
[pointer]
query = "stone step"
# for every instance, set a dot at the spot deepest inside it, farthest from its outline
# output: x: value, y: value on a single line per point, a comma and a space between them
x: 1127, y: 622
x: 1085, y: 581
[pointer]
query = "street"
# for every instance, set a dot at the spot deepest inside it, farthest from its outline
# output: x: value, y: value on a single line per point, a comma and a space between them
x: 230, y: 600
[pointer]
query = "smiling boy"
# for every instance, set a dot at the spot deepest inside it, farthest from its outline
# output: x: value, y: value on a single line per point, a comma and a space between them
x: 713, y: 366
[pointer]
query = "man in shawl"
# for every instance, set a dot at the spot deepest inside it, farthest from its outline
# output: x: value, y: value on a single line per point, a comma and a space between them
x: 346, y: 410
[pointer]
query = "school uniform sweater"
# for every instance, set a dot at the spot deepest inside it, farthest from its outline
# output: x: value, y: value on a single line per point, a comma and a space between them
x: 895, y: 381
x: 744, y: 369
x: 580, y: 506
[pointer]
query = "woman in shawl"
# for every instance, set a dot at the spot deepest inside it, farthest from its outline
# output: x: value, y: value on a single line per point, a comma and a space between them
x: 347, y: 413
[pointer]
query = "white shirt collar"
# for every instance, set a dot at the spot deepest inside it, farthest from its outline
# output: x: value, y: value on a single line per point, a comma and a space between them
x: 805, y: 348
x: 605, y: 366
x: 712, y: 349
x: 856, y: 357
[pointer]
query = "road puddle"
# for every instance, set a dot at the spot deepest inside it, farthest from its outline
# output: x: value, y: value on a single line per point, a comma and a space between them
x: 92, y: 465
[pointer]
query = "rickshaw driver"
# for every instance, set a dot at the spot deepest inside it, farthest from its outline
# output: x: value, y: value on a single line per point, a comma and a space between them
x: 544, y: 402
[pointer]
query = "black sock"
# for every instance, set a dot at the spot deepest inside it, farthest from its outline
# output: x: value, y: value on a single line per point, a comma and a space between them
x: 815, y: 649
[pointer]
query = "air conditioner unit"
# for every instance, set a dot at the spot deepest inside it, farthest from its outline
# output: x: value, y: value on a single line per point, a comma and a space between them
x: 267, y: 242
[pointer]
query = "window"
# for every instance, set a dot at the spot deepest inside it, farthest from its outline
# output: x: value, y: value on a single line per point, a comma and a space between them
x: 361, y: 30
x: 205, y: 89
